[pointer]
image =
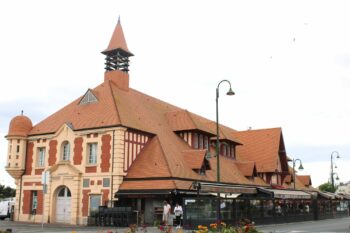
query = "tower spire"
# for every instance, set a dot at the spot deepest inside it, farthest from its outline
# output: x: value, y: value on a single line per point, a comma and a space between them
x: 117, y: 52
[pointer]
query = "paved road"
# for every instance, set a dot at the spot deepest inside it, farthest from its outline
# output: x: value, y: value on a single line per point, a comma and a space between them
x: 324, y: 226
x: 21, y: 227
x: 340, y: 225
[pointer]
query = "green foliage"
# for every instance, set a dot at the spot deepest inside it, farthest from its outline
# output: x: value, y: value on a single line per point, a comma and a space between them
x: 326, y: 187
x: 6, y: 191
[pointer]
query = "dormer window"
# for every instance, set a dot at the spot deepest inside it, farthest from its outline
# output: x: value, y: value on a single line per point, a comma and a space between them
x: 227, y: 149
x: 205, y: 166
x: 200, y: 141
x: 89, y: 97
x: 65, y: 151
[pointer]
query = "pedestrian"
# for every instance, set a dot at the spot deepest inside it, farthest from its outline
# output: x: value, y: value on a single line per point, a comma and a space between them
x: 178, y: 215
x: 166, y: 212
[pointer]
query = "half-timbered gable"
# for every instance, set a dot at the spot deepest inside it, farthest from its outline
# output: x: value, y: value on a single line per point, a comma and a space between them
x: 266, y: 148
x: 134, y: 142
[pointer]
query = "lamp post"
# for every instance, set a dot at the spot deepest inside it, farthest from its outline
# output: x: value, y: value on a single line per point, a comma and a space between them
x: 217, y: 149
x: 332, y: 172
x: 300, y: 168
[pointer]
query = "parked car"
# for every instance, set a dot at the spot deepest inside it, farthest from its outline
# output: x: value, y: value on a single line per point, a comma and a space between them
x: 6, y: 207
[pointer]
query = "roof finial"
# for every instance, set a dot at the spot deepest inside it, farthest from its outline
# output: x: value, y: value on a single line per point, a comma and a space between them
x: 21, y: 112
x: 119, y: 19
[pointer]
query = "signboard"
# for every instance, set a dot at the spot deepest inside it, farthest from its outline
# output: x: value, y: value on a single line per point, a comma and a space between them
x: 45, y: 177
x: 226, y: 189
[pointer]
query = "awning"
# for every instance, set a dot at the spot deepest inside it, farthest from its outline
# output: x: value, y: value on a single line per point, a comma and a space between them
x: 227, y: 195
x: 224, y: 188
x: 345, y: 196
x: 329, y: 195
x: 286, y: 194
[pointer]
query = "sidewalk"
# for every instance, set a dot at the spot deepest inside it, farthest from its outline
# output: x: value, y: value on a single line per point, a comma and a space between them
x: 24, y: 227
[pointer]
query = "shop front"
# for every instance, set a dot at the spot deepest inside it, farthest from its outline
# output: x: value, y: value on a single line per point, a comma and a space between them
x: 260, y: 205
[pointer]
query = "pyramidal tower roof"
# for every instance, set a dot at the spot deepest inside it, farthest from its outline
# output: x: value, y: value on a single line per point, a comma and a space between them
x: 117, y: 41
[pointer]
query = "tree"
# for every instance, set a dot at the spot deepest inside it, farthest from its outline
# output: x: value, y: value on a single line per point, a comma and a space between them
x: 327, y: 187
x: 6, y: 191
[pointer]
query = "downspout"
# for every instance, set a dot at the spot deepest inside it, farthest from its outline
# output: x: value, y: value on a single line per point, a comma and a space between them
x: 20, y: 196
x: 112, y: 194
x: 20, y: 186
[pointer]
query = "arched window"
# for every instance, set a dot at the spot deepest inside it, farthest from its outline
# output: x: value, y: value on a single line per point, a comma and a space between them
x: 65, y: 150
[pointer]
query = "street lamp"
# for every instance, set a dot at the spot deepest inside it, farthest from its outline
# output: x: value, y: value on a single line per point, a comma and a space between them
x: 217, y: 149
x: 300, y: 168
x: 332, y: 172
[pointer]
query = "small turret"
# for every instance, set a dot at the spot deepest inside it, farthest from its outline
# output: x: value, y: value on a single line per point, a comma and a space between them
x: 19, y: 128
x: 117, y: 52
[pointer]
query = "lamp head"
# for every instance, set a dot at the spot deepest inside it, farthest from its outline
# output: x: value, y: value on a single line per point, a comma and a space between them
x: 301, y: 167
x: 338, y: 157
x: 230, y: 92
x: 337, y: 178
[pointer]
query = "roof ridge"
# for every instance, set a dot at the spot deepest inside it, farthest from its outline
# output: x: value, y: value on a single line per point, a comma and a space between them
x: 197, y: 150
x: 250, y: 130
x: 189, y: 115
x: 165, y: 158
x: 110, y: 83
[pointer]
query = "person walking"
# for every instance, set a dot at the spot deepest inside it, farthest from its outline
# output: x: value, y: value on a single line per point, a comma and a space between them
x: 166, y: 212
x: 178, y: 215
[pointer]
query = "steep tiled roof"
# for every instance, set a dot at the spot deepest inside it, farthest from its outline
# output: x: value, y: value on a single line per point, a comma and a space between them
x: 194, y: 158
x: 260, y: 182
x: 94, y: 115
x: 170, y: 184
x: 246, y: 167
x: 148, y: 185
x: 261, y: 146
x: 150, y: 162
x: 299, y: 183
x: 305, y: 179
x: 225, y: 132
x: 184, y: 120
x: 229, y: 172
x: 118, y: 40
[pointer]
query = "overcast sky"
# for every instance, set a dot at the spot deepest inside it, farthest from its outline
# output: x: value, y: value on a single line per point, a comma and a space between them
x: 287, y: 61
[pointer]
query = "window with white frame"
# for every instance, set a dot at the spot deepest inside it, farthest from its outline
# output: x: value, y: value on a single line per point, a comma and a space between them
x: 65, y: 151
x: 41, y: 157
x: 34, y: 200
x: 92, y: 153
x: 95, y: 202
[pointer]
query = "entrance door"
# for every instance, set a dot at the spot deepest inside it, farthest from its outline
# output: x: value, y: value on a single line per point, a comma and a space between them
x: 63, y: 209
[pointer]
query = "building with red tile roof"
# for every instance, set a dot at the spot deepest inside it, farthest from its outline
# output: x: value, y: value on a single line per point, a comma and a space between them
x: 115, y: 145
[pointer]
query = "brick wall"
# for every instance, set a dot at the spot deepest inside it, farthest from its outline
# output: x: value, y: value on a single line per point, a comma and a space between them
x: 29, y: 160
x: 52, y: 152
x: 39, y: 209
x: 91, y: 169
x: 78, y: 151
x: 106, y: 153
x: 85, y: 205
x: 26, y: 207
x: 39, y: 171
x: 32, y: 183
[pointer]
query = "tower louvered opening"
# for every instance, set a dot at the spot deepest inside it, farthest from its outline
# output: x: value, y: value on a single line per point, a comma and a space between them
x: 117, y: 60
